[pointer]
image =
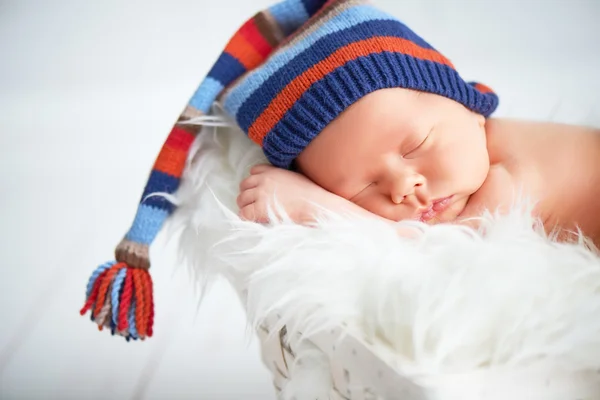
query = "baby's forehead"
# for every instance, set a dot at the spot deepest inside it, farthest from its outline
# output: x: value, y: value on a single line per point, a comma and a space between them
x: 386, y: 114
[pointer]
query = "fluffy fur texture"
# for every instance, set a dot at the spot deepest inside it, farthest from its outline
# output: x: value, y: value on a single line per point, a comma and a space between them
x: 453, y: 300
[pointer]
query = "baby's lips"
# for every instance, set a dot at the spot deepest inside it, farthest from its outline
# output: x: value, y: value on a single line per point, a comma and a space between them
x: 427, y: 214
x: 442, y: 204
x: 437, y: 207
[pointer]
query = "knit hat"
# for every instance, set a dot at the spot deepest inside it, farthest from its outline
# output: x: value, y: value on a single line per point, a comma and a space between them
x: 285, y: 75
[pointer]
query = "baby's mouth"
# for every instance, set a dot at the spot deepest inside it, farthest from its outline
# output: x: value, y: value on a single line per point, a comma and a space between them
x: 436, y: 207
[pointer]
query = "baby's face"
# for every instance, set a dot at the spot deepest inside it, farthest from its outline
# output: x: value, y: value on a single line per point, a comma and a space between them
x: 401, y: 154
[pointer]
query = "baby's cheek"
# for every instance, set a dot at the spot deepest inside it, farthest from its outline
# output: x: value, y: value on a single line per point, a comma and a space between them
x: 464, y: 169
x: 371, y: 203
x: 383, y: 207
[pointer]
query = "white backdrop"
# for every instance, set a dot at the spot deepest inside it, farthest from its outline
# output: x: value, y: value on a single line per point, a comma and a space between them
x: 88, y: 91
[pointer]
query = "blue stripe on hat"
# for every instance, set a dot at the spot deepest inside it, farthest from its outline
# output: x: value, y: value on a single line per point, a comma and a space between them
x: 206, y: 94
x: 227, y: 68
x: 159, y: 182
x: 290, y: 15
x: 146, y: 225
x: 312, y: 6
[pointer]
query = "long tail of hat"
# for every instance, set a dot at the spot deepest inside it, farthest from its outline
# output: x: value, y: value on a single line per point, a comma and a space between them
x: 119, y: 293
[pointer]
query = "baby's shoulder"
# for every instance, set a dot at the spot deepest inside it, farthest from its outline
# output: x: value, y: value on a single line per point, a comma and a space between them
x: 554, y: 166
x: 560, y: 166
x: 553, y: 153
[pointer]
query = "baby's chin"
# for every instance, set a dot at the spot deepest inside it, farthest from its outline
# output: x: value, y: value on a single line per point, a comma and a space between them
x: 459, y: 207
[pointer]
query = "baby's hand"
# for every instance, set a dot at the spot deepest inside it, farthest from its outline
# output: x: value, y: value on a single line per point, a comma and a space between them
x: 301, y: 198
x: 295, y: 193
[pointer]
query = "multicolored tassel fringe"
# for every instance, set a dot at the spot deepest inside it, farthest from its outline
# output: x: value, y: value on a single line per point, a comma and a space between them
x: 120, y: 298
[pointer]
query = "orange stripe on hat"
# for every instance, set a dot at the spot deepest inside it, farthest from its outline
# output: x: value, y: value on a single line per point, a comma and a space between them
x: 171, y: 161
x: 173, y: 155
x: 296, y: 88
x: 244, y: 51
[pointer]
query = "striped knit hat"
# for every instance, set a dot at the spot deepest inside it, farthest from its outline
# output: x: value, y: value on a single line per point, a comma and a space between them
x: 284, y: 75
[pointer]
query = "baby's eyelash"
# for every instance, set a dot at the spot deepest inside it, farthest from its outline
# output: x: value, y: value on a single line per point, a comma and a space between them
x: 417, y: 147
x: 423, y: 142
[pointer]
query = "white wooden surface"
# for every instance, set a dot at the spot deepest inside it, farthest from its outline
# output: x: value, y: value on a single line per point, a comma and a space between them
x: 88, y: 91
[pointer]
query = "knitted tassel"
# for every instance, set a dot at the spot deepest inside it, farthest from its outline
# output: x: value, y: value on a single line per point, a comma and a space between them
x: 120, y: 298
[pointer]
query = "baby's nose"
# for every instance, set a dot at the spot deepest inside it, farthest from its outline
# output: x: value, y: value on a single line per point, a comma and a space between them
x: 397, y: 198
x: 412, y: 185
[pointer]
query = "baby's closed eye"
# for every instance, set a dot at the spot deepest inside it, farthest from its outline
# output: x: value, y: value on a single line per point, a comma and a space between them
x: 420, y: 144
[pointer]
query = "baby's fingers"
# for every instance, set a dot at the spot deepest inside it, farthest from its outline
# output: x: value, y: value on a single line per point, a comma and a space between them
x: 246, y: 197
x: 252, y: 212
x: 247, y: 212
x: 249, y: 183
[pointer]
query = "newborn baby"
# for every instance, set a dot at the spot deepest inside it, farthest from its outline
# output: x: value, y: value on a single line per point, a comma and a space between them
x: 435, y: 161
x: 377, y: 122
x: 373, y: 120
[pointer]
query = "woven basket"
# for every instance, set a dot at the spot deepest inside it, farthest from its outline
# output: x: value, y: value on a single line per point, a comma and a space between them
x: 352, y: 367
x: 355, y: 369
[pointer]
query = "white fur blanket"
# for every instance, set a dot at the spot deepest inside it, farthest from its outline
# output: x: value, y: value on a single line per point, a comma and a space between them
x: 458, y: 311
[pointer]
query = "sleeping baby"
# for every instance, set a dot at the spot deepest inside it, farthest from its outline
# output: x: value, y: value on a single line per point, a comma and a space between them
x: 357, y: 113
x: 435, y: 161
